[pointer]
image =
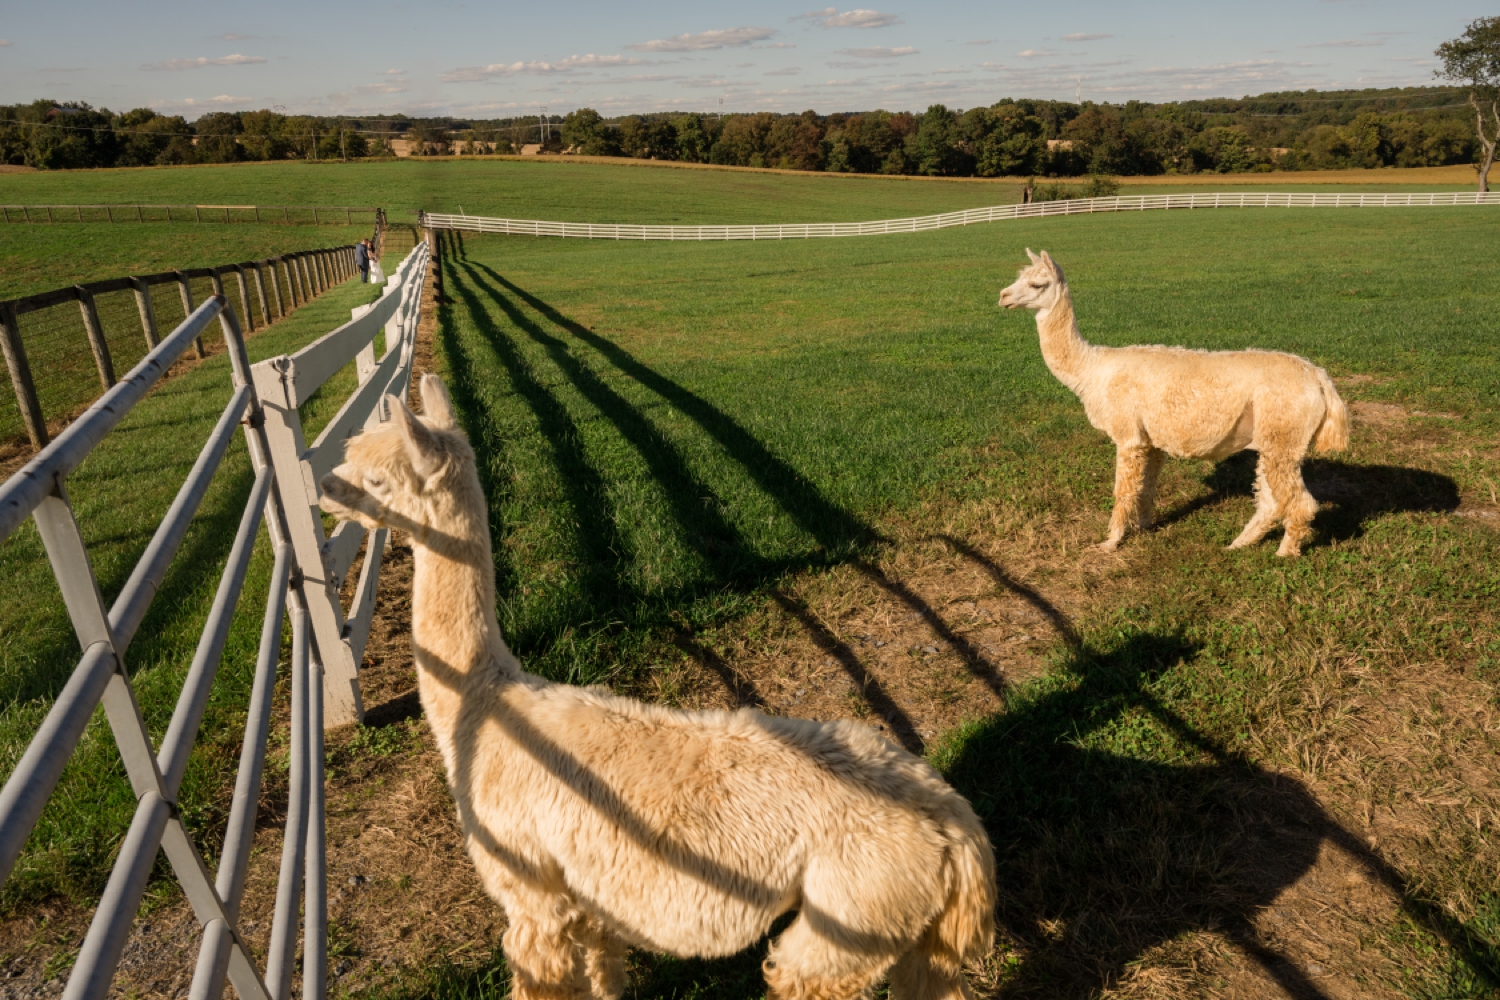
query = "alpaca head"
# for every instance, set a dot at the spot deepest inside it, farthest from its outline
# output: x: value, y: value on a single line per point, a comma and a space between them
x: 1037, y: 286
x: 413, y: 473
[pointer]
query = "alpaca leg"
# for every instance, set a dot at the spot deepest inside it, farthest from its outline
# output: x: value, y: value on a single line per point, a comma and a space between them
x: 1130, y: 474
x: 1298, y: 508
x: 1266, y: 510
x: 545, y: 959
x: 604, y: 961
x: 1146, y: 506
x: 804, y: 965
x: 922, y: 975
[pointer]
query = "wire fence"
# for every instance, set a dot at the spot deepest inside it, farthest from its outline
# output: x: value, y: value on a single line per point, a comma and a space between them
x: 924, y: 223
x: 289, y: 215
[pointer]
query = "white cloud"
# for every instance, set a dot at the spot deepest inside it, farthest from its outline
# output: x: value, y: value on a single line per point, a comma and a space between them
x: 536, y: 67
x: 4, y: 43
x: 1085, y: 37
x: 393, y: 72
x: 1351, y: 43
x: 729, y: 38
x: 829, y: 17
x: 189, y: 104
x: 202, y: 61
x: 879, y: 52
x: 380, y: 88
x: 983, y: 41
x: 785, y: 71
x: 1034, y: 53
x: 235, y: 36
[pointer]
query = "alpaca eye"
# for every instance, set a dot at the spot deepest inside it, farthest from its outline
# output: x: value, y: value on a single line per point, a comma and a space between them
x: 374, y: 482
x: 1038, y: 284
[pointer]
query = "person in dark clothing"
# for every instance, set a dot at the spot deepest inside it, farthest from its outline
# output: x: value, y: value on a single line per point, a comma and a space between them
x: 362, y: 260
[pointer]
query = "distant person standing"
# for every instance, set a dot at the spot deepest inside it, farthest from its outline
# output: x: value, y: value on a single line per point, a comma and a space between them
x: 362, y: 260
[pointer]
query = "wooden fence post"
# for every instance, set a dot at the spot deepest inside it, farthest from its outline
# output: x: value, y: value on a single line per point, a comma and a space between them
x: 97, y: 343
x: 239, y: 278
x: 20, y: 378
x: 281, y: 309
x: 260, y: 294
x: 305, y: 278
x: 147, y: 309
x: 185, y: 289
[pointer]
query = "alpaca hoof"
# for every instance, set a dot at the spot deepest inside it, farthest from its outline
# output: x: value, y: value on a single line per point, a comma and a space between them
x: 1286, y: 551
x: 1108, y: 545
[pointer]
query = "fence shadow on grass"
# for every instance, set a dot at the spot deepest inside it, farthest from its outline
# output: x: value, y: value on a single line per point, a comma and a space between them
x: 1350, y: 496
x: 1119, y: 853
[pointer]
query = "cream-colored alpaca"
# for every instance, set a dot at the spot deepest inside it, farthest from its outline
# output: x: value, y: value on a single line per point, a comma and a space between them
x: 600, y: 822
x: 1190, y: 404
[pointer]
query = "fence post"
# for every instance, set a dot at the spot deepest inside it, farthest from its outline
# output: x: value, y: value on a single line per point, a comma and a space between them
x: 147, y: 309
x: 305, y: 278
x: 185, y: 290
x: 260, y: 294
x: 97, y: 343
x: 20, y: 378
x: 276, y: 286
x: 239, y: 278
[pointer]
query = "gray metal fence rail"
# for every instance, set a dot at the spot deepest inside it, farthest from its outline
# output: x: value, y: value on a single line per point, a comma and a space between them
x: 301, y: 585
x: 292, y: 215
x: 924, y: 223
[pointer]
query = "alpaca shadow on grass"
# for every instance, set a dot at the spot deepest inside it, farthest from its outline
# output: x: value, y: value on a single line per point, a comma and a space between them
x: 1349, y: 496
x: 1103, y: 856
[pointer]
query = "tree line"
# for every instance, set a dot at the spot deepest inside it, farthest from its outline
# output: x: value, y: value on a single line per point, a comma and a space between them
x: 1014, y: 137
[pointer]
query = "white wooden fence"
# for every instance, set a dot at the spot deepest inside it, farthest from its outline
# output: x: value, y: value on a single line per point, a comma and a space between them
x: 923, y: 223
x: 326, y: 644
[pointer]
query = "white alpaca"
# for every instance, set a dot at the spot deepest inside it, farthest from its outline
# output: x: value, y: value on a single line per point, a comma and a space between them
x: 600, y: 822
x: 1190, y: 404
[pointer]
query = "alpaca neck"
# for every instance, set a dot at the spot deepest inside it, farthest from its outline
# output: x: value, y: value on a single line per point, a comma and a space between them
x: 459, y: 649
x: 1063, y: 347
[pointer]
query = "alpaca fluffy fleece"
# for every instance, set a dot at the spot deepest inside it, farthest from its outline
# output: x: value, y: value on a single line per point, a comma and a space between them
x: 1156, y: 401
x: 600, y: 822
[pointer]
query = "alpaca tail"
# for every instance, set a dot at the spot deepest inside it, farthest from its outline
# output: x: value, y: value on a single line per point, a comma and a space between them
x: 1333, y: 434
x: 965, y: 930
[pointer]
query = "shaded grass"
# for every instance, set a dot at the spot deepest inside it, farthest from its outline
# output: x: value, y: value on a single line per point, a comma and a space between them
x: 40, y: 258
x: 119, y: 494
x: 666, y: 432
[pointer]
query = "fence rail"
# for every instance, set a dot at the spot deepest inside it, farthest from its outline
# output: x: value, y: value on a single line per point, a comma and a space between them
x: 924, y: 223
x: 115, y: 325
x: 287, y: 215
x: 263, y: 403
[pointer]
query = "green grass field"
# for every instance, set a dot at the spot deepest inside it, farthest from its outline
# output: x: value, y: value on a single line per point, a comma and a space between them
x: 563, y: 191
x: 679, y: 440
x: 40, y: 258
x: 669, y: 433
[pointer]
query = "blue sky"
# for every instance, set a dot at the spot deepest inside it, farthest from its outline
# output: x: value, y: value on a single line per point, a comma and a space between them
x: 500, y: 59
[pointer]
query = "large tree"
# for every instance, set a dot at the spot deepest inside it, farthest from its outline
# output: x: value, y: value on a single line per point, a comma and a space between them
x: 1473, y: 60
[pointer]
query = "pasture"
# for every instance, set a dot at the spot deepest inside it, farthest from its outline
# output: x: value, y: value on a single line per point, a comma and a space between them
x: 831, y: 478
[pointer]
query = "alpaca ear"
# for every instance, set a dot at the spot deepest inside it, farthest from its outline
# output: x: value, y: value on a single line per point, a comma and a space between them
x: 421, y: 446
x: 1052, y: 264
x: 436, y: 406
x: 1034, y: 258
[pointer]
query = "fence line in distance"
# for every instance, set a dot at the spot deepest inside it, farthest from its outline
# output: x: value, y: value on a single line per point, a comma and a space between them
x: 302, y: 275
x: 925, y: 223
x: 316, y: 215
